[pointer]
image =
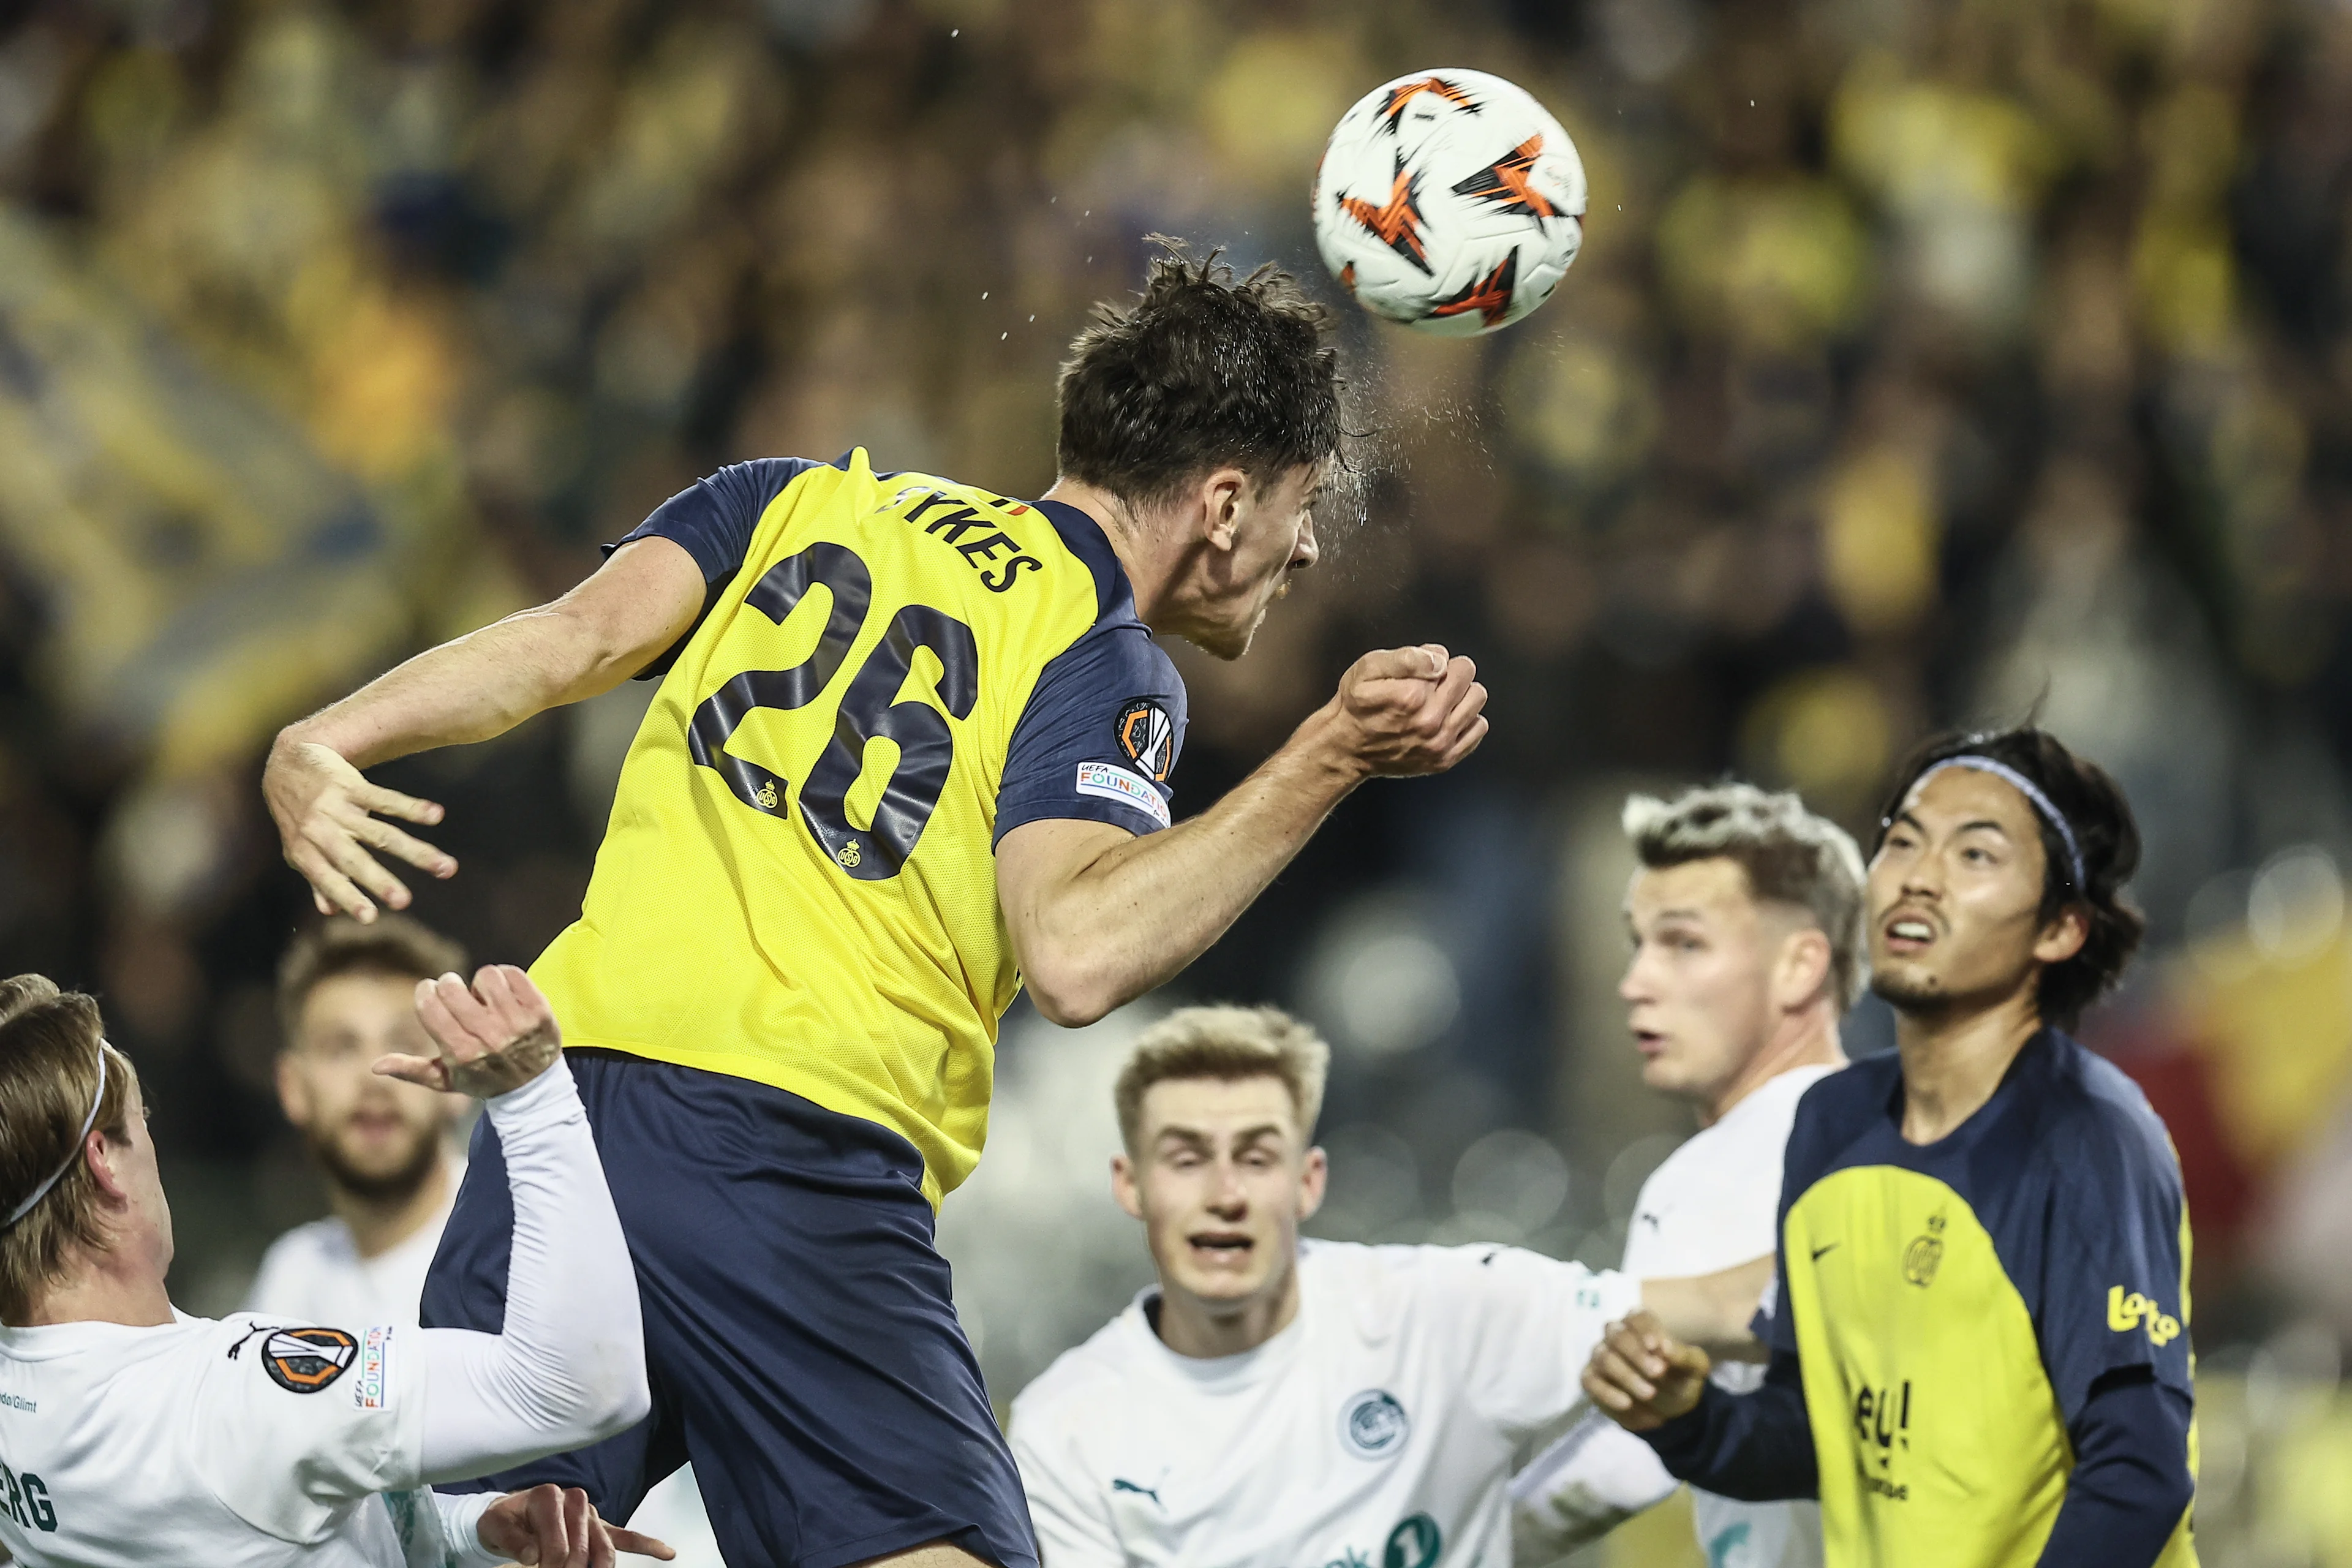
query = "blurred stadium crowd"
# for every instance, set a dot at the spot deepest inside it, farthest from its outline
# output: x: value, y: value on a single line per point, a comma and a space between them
x: 1929, y: 361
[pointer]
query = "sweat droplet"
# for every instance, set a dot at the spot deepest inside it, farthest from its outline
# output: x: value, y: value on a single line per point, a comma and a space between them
x: 983, y: 293
x: 1032, y: 318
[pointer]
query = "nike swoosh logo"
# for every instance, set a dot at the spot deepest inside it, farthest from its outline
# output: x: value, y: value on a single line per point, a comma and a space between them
x: 1832, y: 1246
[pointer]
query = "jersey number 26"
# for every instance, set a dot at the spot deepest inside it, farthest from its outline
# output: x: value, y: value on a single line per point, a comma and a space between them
x: 926, y: 744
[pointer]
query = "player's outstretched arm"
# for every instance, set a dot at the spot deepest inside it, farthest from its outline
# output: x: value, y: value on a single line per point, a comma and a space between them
x: 1099, y: 916
x: 332, y: 821
x: 1713, y: 1310
x: 569, y: 1367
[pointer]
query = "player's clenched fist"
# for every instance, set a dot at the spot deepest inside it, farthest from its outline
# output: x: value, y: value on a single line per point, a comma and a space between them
x: 1408, y: 711
x: 494, y: 1037
x: 1643, y: 1375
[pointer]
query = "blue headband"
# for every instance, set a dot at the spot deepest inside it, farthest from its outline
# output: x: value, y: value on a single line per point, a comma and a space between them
x: 2030, y: 791
x: 81, y: 1139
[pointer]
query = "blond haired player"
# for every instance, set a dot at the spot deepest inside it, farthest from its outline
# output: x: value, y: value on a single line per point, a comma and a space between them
x: 133, y: 1436
x: 1746, y: 914
x: 1274, y: 1402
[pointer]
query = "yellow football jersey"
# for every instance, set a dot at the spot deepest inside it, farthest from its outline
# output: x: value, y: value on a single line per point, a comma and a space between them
x: 797, y: 884
x: 1953, y: 1306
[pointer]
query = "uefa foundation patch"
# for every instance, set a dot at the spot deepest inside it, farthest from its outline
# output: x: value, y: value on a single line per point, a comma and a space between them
x: 1107, y: 781
x: 304, y: 1361
x: 373, y: 1389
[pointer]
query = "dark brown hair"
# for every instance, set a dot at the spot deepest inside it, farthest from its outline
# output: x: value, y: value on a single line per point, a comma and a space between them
x: 1200, y: 373
x: 2101, y: 819
x: 49, y: 1045
x: 395, y: 946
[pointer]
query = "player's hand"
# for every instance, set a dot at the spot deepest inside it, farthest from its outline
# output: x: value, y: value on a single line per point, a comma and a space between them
x: 494, y: 1037
x: 1406, y: 710
x: 327, y: 822
x: 1643, y: 1377
x: 556, y: 1527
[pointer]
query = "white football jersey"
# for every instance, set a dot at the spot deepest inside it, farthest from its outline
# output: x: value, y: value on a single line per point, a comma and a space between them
x: 1377, y: 1428
x: 1712, y: 1206
x: 249, y: 1442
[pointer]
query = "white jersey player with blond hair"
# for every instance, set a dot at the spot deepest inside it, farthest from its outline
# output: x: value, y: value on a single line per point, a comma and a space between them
x: 132, y: 1434
x: 1274, y: 1402
x: 1746, y: 916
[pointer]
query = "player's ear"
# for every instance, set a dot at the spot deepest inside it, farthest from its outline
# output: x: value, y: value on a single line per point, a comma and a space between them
x: 293, y: 1090
x: 1123, y: 1187
x: 1314, y: 1180
x: 104, y: 1156
x: 2063, y: 937
x: 1223, y: 495
x: 1802, y: 968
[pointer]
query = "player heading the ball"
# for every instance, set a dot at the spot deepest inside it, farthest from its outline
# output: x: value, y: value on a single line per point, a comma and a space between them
x: 798, y: 941
x: 131, y: 1436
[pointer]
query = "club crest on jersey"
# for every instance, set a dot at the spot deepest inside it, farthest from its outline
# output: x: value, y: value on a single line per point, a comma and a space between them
x: 1147, y: 736
x: 1373, y: 1425
x: 1925, y: 1254
x: 304, y: 1361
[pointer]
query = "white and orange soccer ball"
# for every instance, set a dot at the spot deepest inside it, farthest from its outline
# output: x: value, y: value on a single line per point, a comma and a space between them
x: 1449, y: 199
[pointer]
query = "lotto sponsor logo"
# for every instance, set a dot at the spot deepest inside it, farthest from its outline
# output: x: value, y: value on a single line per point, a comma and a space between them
x: 1106, y: 781
x: 372, y: 1390
x: 2127, y: 1312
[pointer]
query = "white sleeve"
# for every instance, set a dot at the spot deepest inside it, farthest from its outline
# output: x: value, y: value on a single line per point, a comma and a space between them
x: 568, y: 1369
x: 1074, y: 1527
x: 1529, y: 1323
x: 460, y: 1516
x: 1595, y: 1479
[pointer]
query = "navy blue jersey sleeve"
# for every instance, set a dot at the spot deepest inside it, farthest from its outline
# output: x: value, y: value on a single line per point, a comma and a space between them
x: 1803, y: 1158
x: 1758, y: 1447
x: 2131, y: 1486
x: 2112, y: 1293
x: 712, y: 520
x: 1100, y: 736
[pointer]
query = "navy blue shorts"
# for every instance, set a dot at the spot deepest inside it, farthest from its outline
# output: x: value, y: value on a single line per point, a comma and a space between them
x: 802, y: 1344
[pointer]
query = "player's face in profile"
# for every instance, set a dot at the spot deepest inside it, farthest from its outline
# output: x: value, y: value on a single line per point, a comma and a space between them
x: 1274, y: 536
x: 1956, y: 895
x: 377, y: 1137
x: 1698, y: 992
x: 1222, y: 1178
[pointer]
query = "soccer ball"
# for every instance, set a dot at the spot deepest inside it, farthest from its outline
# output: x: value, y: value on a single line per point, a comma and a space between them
x: 1449, y: 199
